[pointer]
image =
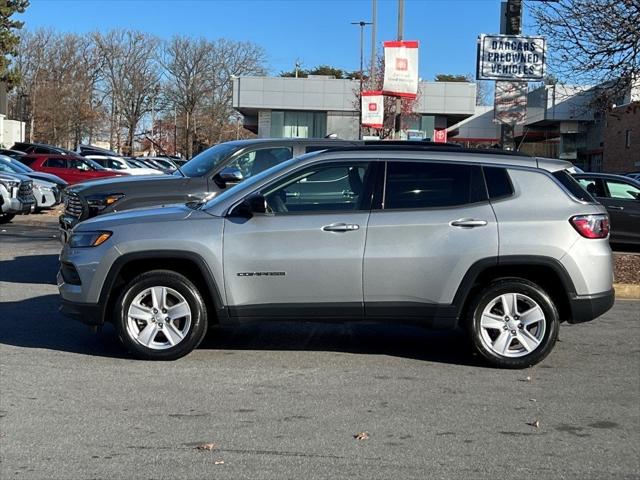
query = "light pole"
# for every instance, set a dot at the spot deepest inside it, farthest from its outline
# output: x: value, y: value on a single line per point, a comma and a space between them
x: 362, y: 24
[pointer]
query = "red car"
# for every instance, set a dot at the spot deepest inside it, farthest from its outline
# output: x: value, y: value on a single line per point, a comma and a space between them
x: 72, y: 169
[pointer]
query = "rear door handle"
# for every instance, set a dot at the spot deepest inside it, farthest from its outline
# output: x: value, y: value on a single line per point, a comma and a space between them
x: 615, y: 207
x: 341, y: 227
x: 468, y: 223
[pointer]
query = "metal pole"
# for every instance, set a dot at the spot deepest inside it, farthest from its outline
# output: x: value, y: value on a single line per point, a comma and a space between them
x: 362, y: 24
x: 374, y: 21
x: 512, y: 26
x: 175, y: 130
x: 398, y: 116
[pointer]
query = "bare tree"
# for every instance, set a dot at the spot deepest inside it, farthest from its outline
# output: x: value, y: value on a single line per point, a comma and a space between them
x: 594, y: 42
x: 188, y: 63
x: 132, y: 74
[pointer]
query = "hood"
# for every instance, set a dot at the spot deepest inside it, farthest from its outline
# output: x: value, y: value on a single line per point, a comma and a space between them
x: 14, y: 176
x: 37, y: 183
x: 111, y: 184
x: 47, y: 177
x: 170, y: 213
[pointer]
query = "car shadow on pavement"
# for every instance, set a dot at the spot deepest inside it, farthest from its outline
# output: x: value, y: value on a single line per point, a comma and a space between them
x: 444, y: 346
x: 40, y: 269
x: 36, y: 323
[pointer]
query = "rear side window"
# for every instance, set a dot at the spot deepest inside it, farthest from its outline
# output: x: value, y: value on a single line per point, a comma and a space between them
x: 56, y: 163
x: 498, y: 182
x: 27, y: 160
x: 572, y: 185
x: 431, y: 184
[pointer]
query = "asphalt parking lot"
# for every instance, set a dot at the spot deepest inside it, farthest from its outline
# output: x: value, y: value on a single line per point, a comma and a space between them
x: 285, y: 400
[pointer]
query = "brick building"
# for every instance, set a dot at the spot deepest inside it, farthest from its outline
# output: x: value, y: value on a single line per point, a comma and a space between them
x: 622, y: 139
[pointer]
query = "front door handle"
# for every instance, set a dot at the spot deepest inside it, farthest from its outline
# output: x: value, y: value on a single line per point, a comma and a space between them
x: 468, y: 223
x: 615, y: 207
x: 341, y: 227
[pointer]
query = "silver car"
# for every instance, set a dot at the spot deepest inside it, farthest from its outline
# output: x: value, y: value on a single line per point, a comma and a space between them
x: 505, y: 246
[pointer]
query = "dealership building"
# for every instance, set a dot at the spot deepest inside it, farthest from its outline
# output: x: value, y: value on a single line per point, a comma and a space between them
x: 318, y: 106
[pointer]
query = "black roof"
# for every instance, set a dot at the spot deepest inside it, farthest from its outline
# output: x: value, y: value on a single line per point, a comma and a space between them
x: 417, y: 146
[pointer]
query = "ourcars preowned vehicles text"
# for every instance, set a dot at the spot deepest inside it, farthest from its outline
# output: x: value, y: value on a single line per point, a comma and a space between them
x: 506, y: 246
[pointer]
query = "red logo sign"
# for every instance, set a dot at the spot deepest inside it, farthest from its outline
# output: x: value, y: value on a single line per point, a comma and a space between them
x: 402, y: 64
x: 373, y: 107
x: 440, y: 136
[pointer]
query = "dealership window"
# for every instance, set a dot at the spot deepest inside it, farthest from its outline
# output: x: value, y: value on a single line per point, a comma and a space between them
x: 297, y: 124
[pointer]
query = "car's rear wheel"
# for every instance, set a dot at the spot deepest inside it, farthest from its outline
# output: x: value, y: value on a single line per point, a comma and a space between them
x: 513, y: 323
x: 160, y: 315
x: 6, y: 217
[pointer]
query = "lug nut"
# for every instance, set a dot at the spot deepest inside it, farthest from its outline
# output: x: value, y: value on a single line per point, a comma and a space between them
x: 164, y: 310
x: 520, y: 326
x: 167, y: 319
x: 513, y: 332
x: 155, y: 310
x: 505, y: 327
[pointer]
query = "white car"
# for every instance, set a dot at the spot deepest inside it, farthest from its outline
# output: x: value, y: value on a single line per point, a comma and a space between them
x: 120, y: 164
x: 47, y: 194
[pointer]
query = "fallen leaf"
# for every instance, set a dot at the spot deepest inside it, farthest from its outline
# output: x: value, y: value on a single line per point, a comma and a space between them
x: 218, y: 462
x: 206, y: 446
x: 533, y: 400
x: 362, y: 436
x: 534, y: 424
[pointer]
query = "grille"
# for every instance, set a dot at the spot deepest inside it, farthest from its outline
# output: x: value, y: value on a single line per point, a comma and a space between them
x: 73, y: 205
x: 25, y: 190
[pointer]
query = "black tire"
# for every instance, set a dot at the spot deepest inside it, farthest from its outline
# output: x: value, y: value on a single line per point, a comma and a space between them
x: 6, y: 217
x: 163, y: 278
x: 517, y: 286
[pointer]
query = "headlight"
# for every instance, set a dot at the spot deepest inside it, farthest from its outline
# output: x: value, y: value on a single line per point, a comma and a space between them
x: 97, y: 203
x: 42, y: 188
x: 88, y: 239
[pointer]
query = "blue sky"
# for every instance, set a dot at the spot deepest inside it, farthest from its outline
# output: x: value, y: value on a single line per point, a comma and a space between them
x: 316, y: 32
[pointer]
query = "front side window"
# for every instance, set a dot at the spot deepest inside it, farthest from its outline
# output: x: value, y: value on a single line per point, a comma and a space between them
x: 255, y: 161
x: 79, y: 164
x: 621, y: 190
x: 334, y: 187
x: 432, y: 185
x: 116, y: 165
x: 56, y: 163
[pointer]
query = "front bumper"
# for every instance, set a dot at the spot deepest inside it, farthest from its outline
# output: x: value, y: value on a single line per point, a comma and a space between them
x: 17, y: 206
x: 585, y: 308
x: 87, y: 313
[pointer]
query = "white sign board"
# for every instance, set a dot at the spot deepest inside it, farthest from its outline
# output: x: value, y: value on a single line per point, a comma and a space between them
x: 401, y: 69
x: 372, y: 109
x: 511, y: 57
x: 510, y: 104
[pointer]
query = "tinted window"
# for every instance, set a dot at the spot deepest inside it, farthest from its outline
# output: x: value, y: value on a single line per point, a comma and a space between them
x: 322, y: 188
x: 27, y: 160
x: 256, y: 161
x: 573, y: 186
x: 79, y: 164
x: 56, y: 163
x: 204, y: 162
x: 498, y: 182
x: 621, y: 190
x: 428, y: 185
x: 593, y: 186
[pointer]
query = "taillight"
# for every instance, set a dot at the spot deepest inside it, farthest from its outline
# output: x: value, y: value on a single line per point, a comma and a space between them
x: 591, y: 226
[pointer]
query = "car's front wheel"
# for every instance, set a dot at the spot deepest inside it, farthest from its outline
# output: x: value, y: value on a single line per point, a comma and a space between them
x: 513, y: 323
x: 160, y: 315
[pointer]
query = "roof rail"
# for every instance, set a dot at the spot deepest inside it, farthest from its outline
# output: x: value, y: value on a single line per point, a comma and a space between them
x: 415, y: 146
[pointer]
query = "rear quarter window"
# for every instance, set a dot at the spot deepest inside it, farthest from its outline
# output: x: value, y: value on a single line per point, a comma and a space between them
x: 572, y: 185
x: 498, y: 182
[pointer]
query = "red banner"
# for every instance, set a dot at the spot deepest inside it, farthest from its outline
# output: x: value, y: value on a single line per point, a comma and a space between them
x: 372, y: 109
x: 401, y: 69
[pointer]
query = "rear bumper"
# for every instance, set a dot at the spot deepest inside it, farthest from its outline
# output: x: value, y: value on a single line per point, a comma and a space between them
x: 585, y: 308
x: 87, y: 313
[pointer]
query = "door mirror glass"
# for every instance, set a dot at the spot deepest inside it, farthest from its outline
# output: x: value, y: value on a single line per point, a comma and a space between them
x: 228, y: 175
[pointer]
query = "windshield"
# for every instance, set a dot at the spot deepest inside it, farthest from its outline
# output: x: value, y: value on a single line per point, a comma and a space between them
x: 204, y: 162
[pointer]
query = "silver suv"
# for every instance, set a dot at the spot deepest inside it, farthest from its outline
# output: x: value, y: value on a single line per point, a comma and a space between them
x: 506, y: 246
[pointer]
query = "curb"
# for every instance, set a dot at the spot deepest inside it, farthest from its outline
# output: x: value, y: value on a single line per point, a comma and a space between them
x: 627, y: 290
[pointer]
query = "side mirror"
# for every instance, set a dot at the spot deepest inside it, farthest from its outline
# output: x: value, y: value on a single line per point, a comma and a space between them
x: 228, y: 175
x: 254, y: 203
